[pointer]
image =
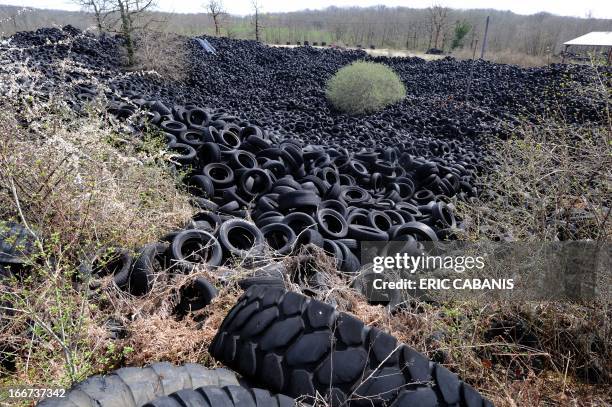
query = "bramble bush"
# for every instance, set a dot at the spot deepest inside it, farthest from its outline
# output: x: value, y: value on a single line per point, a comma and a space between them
x: 364, y: 87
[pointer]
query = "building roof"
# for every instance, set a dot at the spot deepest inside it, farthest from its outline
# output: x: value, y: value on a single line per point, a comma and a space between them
x: 595, y: 38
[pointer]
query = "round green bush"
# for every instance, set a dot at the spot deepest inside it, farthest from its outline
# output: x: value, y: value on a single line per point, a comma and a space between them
x: 364, y: 87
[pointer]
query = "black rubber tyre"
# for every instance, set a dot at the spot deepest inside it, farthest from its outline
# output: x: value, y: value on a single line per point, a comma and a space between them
x: 194, y: 138
x: 220, y: 174
x: 209, y: 153
x: 182, y: 153
x: 352, y: 244
x: 299, y: 199
x: 16, y: 243
x: 227, y: 396
x: 113, y: 260
x: 350, y: 263
x: 331, y: 223
x: 272, y: 274
x: 299, y: 346
x: 241, y: 238
x: 202, y: 186
x: 196, y: 246
x: 279, y: 237
x: 150, y: 261
x: 418, y: 230
x: 333, y: 250
x: 308, y: 237
x: 444, y: 215
x: 135, y: 387
x: 196, y: 295
x: 299, y: 221
x: 208, y: 221
x: 255, y: 182
x: 173, y: 127
x: 366, y: 233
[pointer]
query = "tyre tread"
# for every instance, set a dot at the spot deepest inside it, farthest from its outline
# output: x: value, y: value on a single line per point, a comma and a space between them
x: 305, y: 347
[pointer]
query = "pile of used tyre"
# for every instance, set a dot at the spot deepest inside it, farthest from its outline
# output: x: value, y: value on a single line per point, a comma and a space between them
x: 273, y: 169
x: 284, y: 89
x: 294, y: 196
x: 298, y: 195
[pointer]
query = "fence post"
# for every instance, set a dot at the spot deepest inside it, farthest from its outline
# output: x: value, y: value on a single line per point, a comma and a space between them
x: 484, y: 40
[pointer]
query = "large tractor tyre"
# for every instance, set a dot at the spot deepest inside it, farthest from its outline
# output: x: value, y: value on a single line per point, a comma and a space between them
x: 301, y: 347
x: 135, y: 387
x: 226, y: 396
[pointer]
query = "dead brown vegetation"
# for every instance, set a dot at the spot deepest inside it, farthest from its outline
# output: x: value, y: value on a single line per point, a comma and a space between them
x: 162, y: 52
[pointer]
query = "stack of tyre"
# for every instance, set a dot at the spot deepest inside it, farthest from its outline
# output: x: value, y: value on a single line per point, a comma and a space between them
x: 296, y: 195
x: 298, y: 348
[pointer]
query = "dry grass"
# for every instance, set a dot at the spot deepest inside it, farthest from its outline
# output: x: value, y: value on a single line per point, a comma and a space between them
x: 74, y: 183
x: 552, y: 181
x: 162, y: 52
x: 80, y: 183
x: 508, y: 57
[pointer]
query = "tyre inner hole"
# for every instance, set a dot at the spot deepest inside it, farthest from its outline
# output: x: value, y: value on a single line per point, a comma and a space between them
x: 256, y: 183
x: 276, y: 239
x: 359, y: 219
x: 354, y: 194
x: 218, y: 173
x: 110, y: 265
x: 332, y: 223
x: 360, y: 168
x: 230, y: 138
x: 246, y: 161
x: 192, y: 136
x: 190, y: 293
x: 174, y: 125
x: 241, y: 238
x: 381, y: 222
x: 331, y: 177
x: 422, y: 194
x: 197, y: 118
x: 196, y: 251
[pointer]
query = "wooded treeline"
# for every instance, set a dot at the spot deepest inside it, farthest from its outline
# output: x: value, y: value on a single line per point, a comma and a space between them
x: 382, y: 27
x: 417, y: 29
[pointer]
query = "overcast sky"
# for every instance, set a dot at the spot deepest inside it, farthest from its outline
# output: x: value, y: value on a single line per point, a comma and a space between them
x: 578, y: 8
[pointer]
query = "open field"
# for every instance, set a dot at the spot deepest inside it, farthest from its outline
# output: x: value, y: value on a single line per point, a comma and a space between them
x: 213, y: 208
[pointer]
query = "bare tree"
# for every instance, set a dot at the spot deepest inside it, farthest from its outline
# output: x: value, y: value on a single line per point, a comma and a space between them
x: 100, y: 8
x: 337, y: 30
x: 256, y: 10
x: 131, y: 19
x: 437, y: 21
x: 13, y: 18
x: 217, y: 11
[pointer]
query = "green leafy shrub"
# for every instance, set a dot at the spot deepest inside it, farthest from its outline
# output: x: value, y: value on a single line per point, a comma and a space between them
x: 364, y: 87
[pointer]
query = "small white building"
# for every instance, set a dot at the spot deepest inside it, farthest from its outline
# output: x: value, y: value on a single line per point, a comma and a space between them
x: 593, y: 39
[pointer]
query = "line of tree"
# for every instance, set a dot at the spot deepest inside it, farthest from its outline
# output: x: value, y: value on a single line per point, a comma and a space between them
x: 383, y: 27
